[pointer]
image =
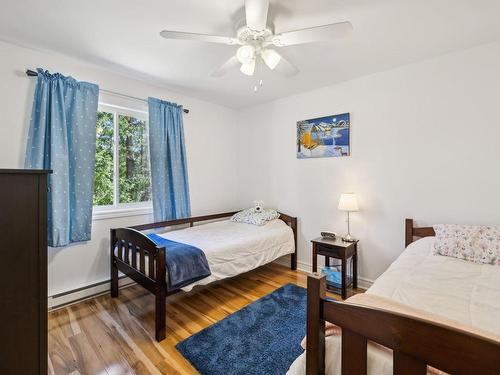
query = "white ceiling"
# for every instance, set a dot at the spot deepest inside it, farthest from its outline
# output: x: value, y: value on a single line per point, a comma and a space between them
x: 124, y: 35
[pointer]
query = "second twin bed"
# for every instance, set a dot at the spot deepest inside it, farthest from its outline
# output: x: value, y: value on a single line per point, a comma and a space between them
x: 204, y: 253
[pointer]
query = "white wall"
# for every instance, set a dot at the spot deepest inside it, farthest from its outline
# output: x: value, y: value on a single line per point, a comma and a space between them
x: 425, y: 144
x: 210, y: 145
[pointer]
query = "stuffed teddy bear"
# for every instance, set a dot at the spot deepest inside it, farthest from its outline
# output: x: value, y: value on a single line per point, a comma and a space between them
x: 258, y: 206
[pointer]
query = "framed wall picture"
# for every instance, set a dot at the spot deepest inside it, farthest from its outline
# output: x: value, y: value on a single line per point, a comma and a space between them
x: 324, y: 137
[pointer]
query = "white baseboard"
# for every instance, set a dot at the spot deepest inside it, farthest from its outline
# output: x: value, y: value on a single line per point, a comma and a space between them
x: 363, y: 282
x: 73, y: 296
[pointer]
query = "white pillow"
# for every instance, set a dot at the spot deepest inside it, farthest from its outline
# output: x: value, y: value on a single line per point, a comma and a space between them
x: 251, y: 216
x: 474, y: 243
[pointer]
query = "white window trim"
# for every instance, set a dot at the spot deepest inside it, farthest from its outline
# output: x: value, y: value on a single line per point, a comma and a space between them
x: 110, y: 212
x: 117, y: 209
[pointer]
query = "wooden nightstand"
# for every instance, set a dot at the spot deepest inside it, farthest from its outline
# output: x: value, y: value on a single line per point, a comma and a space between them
x: 337, y: 249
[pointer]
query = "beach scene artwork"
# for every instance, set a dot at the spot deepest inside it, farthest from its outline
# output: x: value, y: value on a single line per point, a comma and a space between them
x: 324, y: 137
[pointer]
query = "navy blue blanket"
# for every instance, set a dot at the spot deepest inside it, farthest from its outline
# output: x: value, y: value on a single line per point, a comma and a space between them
x: 185, y: 263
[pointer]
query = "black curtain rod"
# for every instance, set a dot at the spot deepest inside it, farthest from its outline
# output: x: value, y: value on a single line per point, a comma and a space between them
x: 32, y: 73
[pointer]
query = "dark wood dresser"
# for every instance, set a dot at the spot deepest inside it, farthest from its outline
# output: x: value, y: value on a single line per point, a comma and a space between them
x: 23, y: 275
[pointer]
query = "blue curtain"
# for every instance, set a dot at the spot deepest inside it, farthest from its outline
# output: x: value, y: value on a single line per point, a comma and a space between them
x: 169, y: 177
x: 62, y: 138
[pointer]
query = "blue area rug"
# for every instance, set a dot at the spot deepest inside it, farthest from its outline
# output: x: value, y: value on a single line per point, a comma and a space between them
x: 262, y: 338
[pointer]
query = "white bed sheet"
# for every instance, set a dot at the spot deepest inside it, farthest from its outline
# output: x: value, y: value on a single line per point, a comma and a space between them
x: 234, y: 248
x: 450, y: 287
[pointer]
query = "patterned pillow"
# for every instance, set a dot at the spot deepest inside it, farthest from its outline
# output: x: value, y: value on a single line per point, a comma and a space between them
x: 488, y: 245
x: 251, y: 216
x: 478, y: 244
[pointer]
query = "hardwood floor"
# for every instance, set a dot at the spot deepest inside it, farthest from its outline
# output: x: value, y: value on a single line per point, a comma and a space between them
x: 116, y: 336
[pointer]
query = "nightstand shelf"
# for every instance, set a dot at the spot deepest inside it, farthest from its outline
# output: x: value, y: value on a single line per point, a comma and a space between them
x: 346, y: 252
x: 338, y: 290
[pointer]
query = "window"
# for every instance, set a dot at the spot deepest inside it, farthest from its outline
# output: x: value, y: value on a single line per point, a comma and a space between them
x: 122, y: 173
x: 103, y: 179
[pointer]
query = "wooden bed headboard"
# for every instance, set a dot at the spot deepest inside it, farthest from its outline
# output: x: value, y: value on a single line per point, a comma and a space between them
x: 411, y: 232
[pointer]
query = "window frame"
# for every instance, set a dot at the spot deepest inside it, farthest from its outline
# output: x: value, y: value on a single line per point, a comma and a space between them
x: 118, y: 209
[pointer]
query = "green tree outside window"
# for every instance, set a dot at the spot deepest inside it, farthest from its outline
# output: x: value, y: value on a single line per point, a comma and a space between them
x: 134, y: 183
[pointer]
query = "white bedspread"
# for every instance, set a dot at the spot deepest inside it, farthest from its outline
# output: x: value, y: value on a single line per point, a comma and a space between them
x: 233, y: 248
x: 453, y: 288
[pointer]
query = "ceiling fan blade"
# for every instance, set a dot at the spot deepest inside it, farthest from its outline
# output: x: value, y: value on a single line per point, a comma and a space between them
x: 313, y: 34
x: 256, y: 14
x: 286, y: 68
x: 231, y: 63
x: 167, y: 34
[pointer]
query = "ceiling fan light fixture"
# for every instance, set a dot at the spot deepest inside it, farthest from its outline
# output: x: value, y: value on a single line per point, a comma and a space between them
x: 254, y: 35
x: 246, y: 54
x: 270, y: 57
x: 248, y: 68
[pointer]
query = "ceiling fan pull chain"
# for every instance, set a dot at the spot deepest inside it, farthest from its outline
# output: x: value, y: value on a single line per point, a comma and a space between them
x: 256, y: 88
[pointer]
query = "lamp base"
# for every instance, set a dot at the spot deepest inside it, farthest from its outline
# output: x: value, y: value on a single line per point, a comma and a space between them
x: 348, y: 238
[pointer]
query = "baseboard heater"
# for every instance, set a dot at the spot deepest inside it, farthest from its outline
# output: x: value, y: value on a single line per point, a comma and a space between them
x: 70, y: 297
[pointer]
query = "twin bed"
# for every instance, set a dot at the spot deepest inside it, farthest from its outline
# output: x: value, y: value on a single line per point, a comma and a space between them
x: 230, y: 249
x: 427, y: 314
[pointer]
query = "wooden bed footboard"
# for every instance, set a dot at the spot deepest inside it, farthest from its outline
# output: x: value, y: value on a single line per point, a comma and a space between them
x: 138, y: 257
x: 415, y: 343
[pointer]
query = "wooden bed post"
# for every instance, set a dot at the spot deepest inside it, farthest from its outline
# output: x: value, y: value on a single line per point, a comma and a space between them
x: 160, y: 296
x: 315, y: 352
x: 293, y: 261
x: 160, y: 315
x: 408, y: 232
x: 411, y: 232
x: 114, y: 267
x: 353, y: 353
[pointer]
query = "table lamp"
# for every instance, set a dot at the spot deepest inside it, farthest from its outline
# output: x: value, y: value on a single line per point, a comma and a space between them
x: 348, y: 202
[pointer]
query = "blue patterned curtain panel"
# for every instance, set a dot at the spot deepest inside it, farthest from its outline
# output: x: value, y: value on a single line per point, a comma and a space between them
x: 62, y: 138
x: 169, y: 177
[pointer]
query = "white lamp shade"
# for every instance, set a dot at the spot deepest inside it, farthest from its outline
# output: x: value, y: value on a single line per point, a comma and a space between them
x: 348, y: 202
x: 245, y: 54
x: 248, y: 68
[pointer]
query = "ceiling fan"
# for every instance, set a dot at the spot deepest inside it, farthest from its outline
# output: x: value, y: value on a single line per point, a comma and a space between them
x: 257, y: 39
